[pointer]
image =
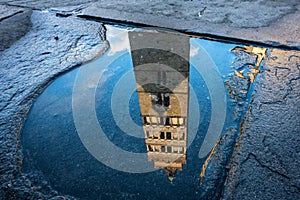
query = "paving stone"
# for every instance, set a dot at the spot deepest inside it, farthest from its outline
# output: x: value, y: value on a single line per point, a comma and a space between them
x: 51, y: 46
x: 13, y: 28
x: 266, y: 159
x: 45, y: 4
x: 270, y: 22
x: 8, y: 11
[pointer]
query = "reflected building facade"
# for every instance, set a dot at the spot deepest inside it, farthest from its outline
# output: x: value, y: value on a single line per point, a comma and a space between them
x: 161, y: 67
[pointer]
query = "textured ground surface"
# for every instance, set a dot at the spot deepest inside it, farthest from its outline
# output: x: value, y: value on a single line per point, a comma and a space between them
x: 50, y: 45
x: 270, y: 22
x: 266, y: 158
x: 37, y: 46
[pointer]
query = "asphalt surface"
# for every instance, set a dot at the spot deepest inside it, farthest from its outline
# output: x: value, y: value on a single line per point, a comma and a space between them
x: 37, y: 46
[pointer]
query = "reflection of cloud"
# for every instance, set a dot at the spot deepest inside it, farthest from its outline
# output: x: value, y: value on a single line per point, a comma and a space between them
x: 87, y: 87
x: 194, y: 51
x: 118, y: 39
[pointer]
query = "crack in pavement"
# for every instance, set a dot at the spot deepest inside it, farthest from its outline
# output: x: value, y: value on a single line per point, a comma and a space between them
x: 263, y: 165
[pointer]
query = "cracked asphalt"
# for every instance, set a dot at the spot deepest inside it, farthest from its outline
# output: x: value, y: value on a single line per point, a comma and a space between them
x: 42, y: 39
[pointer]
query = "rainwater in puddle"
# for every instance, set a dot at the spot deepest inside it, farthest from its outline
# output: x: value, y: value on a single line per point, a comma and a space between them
x: 136, y: 123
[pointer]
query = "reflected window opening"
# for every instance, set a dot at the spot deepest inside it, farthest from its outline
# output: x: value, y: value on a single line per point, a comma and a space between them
x: 169, y: 149
x: 162, y: 135
x: 169, y: 136
x: 150, y: 148
x: 167, y: 121
x: 166, y: 100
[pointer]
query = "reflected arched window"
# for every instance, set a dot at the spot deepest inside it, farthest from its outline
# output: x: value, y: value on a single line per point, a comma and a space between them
x: 166, y: 100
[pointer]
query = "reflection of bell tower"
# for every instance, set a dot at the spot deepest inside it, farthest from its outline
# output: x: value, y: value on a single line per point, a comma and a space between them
x: 161, y: 70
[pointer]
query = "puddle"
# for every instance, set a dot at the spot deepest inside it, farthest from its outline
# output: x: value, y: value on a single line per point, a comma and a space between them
x: 138, y: 122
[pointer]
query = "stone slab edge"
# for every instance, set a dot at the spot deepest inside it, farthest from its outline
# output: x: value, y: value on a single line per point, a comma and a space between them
x: 9, y: 11
x: 284, y: 33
